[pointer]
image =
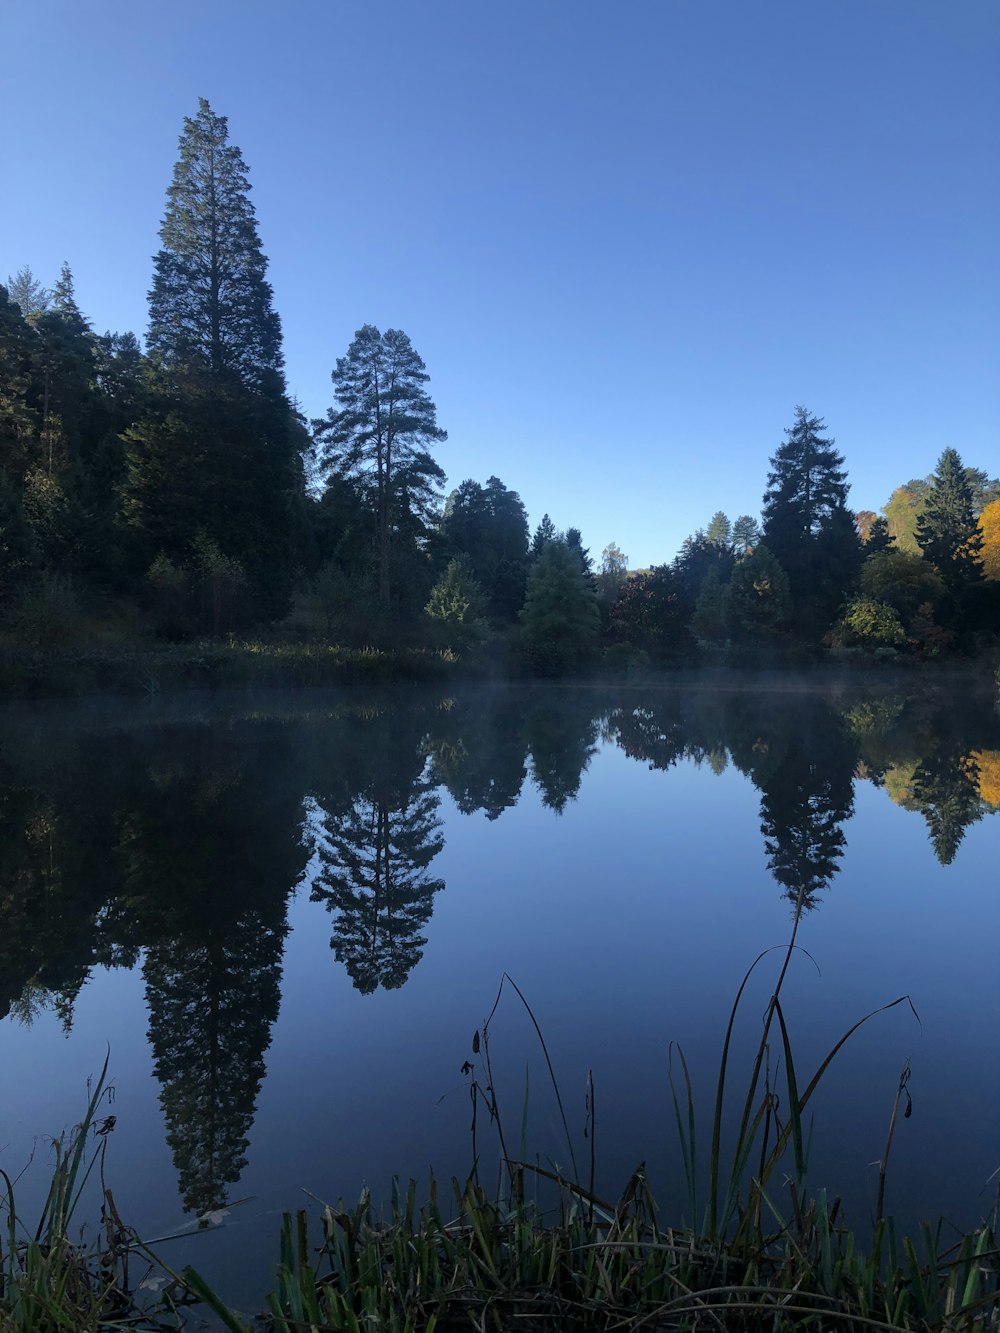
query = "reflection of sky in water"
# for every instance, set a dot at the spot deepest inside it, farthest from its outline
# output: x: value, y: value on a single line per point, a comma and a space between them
x: 627, y: 920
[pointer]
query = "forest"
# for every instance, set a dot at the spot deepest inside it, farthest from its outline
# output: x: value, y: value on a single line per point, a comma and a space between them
x: 172, y: 492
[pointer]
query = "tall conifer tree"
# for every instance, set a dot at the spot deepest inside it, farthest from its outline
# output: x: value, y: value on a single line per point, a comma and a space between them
x: 807, y: 525
x: 383, y: 430
x: 217, y: 453
x: 947, y: 530
x: 210, y: 305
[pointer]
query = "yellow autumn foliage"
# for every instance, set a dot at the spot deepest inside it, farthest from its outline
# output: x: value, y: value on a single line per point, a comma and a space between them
x: 988, y: 763
x: 989, y: 526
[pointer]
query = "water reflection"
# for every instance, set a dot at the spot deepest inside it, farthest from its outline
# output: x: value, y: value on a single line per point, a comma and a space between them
x: 181, y: 844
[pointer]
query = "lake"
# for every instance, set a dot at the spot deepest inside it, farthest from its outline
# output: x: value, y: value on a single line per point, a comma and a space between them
x: 286, y: 916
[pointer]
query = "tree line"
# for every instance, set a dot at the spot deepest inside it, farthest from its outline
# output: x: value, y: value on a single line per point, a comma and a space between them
x: 176, y: 489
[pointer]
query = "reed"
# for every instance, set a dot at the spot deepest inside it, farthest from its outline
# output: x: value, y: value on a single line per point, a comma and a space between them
x: 52, y: 1280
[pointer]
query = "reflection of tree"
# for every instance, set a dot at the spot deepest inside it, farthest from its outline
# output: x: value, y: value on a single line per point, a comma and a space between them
x: 380, y: 834
x: 478, y: 753
x: 653, y: 733
x: 562, y: 741
x: 213, y: 994
x: 802, y: 759
x: 210, y: 849
x: 375, y: 879
x: 802, y: 807
x: 54, y: 887
x: 945, y: 791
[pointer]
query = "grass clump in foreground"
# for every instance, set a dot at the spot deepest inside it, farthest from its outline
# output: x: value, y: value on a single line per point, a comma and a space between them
x: 504, y: 1264
x: 51, y: 1280
x: 478, y: 1262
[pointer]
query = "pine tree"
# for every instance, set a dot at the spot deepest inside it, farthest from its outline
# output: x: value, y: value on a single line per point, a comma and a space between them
x: 383, y: 429
x: 210, y: 305
x: 746, y: 534
x: 947, y: 530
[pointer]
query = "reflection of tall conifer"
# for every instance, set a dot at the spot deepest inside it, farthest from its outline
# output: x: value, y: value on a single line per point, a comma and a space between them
x: 802, y: 808
x: 804, y: 770
x: 375, y: 879
x: 946, y: 792
x: 212, y: 849
x: 213, y: 994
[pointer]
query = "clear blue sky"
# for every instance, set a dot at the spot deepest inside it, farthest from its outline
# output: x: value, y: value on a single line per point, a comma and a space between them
x: 626, y: 237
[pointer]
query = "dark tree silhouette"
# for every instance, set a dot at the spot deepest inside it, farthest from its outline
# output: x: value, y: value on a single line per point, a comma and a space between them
x: 807, y: 525
x: 382, y: 430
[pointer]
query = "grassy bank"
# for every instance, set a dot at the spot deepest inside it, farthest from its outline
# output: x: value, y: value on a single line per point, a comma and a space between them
x: 146, y: 672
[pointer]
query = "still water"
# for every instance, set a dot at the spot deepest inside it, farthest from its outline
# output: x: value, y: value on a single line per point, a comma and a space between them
x: 286, y: 916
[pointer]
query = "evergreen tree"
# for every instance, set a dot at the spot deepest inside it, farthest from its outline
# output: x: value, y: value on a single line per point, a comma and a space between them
x: 210, y: 306
x: 217, y: 450
x: 383, y: 429
x: 947, y: 530
x: 719, y: 530
x: 19, y: 419
x: 746, y: 534
x: 879, y: 537
x: 574, y: 540
x: 560, y: 615
x: 807, y: 525
x: 709, y: 619
x: 758, y: 603
x: 544, y: 533
x: 488, y: 528
x: 699, y: 557
x: 28, y: 293
x: 456, y: 604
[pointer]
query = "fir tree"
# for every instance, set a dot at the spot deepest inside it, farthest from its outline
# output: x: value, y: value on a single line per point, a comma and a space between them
x: 807, y: 525
x: 560, y: 615
x: 947, y: 530
x: 544, y: 533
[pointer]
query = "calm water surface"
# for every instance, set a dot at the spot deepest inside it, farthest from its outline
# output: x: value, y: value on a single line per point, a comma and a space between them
x: 287, y: 916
